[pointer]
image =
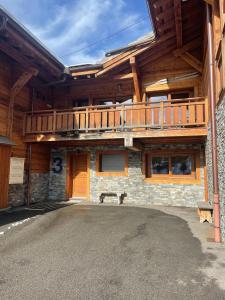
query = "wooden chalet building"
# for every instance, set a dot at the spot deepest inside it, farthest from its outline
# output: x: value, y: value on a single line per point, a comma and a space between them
x: 138, y: 124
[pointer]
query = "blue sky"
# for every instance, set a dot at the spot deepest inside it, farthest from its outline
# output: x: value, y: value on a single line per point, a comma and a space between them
x: 67, y: 26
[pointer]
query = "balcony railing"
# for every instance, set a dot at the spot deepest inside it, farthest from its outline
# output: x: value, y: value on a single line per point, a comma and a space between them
x: 181, y: 113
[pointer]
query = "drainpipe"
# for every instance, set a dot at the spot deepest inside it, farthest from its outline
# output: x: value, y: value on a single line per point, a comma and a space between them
x: 216, y: 204
x: 29, y: 175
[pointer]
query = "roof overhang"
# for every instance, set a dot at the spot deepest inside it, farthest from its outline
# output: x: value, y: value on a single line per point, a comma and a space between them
x: 6, y: 141
x: 25, y: 46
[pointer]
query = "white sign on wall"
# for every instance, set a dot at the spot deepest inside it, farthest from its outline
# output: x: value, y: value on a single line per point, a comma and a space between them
x: 128, y: 142
x: 16, y: 170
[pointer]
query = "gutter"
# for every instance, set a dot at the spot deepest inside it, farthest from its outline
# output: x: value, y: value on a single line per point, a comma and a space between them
x: 216, y: 200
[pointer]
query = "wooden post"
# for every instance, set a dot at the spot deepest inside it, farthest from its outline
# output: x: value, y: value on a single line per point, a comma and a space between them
x: 136, y: 79
x: 16, y: 88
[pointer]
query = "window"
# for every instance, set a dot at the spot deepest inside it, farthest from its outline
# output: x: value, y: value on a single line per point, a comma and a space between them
x: 111, y: 163
x: 160, y: 165
x: 170, y: 95
x: 174, y: 167
x: 80, y: 102
x: 181, y: 165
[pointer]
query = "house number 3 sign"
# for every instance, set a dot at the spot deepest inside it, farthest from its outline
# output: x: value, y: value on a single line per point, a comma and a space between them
x: 57, y: 165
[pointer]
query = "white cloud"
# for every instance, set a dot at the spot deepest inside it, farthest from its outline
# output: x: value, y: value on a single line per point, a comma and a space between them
x: 66, y: 26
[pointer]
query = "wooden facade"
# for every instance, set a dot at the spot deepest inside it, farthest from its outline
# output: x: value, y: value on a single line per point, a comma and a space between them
x: 154, y: 92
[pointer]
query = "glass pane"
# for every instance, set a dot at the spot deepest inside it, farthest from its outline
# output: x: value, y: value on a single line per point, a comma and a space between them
x: 112, y: 163
x: 181, y: 165
x: 160, y: 165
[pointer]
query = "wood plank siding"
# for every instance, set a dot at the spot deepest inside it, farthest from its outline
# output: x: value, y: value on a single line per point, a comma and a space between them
x: 5, y: 153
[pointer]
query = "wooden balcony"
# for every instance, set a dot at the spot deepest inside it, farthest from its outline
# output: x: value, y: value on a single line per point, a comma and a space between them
x: 191, y: 113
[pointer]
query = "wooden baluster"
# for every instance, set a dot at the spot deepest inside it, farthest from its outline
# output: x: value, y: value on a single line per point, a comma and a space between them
x: 92, y: 120
x: 82, y: 120
x: 34, y: 123
x: 86, y: 118
x: 206, y: 110
x: 24, y: 124
x: 184, y: 114
x: 39, y: 124
x: 176, y: 114
x: 156, y: 112
x: 122, y: 117
x: 162, y: 114
x: 167, y: 110
x: 192, y: 113
x: 77, y: 120
x: 148, y: 115
x: 199, y: 111
x: 54, y: 121
x: 104, y: 119
x: 117, y: 118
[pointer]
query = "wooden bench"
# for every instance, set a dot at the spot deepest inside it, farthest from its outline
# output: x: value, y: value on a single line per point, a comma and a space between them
x: 120, y: 196
x: 205, y: 211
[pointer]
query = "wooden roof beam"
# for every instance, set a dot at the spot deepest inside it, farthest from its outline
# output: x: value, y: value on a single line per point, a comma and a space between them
x: 178, y: 22
x: 136, y: 79
x: 125, y: 57
x: 189, y: 46
x: 123, y: 76
x: 210, y: 2
x: 34, y: 52
x: 16, y: 88
x: 190, y: 59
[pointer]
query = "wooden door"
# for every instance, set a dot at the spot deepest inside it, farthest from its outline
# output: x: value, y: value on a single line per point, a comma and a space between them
x: 81, y: 175
x: 5, y: 153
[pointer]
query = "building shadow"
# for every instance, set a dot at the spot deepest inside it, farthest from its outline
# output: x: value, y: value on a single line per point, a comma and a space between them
x: 22, y: 213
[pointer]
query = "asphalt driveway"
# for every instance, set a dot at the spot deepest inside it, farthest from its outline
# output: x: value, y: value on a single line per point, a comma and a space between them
x: 102, y: 252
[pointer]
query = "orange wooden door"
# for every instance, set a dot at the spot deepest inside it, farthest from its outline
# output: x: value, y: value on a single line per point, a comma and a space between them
x: 80, y: 175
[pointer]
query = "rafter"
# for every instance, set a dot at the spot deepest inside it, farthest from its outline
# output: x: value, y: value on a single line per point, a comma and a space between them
x: 178, y: 22
x: 190, y: 59
x: 211, y: 2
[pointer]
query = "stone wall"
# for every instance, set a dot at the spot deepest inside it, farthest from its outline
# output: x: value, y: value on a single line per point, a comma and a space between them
x: 39, y: 187
x: 220, y: 117
x: 17, y: 193
x: 57, y: 181
x: 39, y: 190
x: 137, y: 189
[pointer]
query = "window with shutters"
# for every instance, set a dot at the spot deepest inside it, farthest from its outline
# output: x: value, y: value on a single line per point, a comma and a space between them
x: 111, y: 163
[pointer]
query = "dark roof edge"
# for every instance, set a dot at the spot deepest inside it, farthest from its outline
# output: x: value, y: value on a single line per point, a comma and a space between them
x: 131, y: 46
x: 85, y: 67
x: 27, y: 34
x: 153, y: 23
x: 6, y: 141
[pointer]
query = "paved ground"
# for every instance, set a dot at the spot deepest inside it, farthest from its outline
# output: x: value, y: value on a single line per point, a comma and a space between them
x: 102, y: 252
